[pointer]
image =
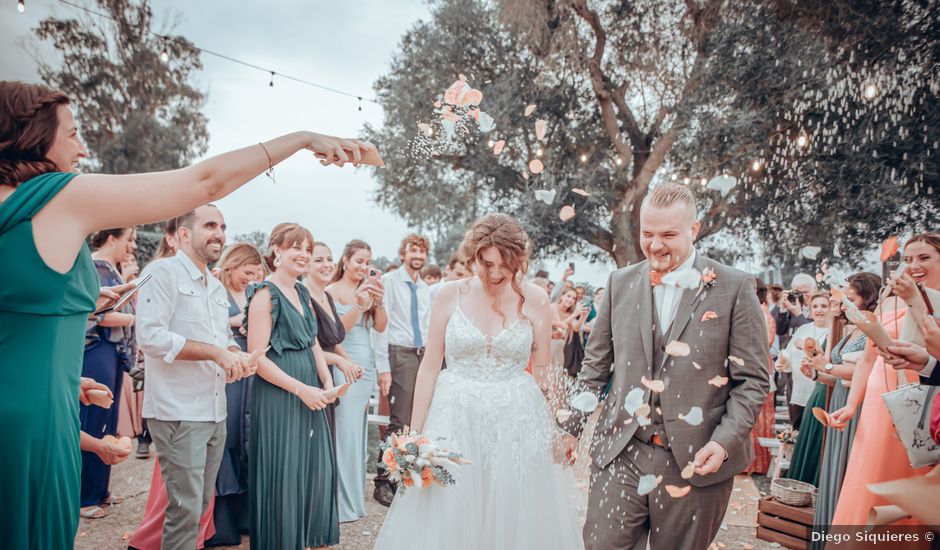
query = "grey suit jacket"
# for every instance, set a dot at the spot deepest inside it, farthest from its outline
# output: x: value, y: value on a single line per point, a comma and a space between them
x: 619, y: 353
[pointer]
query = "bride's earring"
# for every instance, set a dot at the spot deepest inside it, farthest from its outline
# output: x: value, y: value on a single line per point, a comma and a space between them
x: 277, y: 261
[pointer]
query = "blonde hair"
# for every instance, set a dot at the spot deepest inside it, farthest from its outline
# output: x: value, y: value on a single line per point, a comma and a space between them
x: 236, y: 256
x: 503, y: 232
x: 667, y: 194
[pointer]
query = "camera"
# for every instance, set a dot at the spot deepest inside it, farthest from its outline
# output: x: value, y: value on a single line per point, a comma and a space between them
x: 794, y: 296
x: 373, y: 273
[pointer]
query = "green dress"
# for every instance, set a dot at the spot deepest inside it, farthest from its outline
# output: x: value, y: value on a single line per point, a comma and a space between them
x: 292, y: 469
x: 42, y: 339
x: 804, y: 466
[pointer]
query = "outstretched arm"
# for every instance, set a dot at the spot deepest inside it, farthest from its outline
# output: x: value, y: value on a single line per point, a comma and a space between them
x: 444, y: 304
x: 97, y: 201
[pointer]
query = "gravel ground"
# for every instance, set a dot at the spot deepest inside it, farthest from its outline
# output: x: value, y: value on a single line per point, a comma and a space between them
x: 131, y: 479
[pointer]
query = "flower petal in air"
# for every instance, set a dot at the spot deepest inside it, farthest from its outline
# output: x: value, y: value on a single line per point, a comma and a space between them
x: 647, y: 483
x: 678, y: 349
x: 657, y: 386
x: 540, y: 129
x: 566, y: 213
x: 529, y: 109
x: 678, y: 492
x: 546, y: 196
x: 693, y: 418
x: 585, y: 402
x: 580, y: 191
x: 709, y: 315
x: 718, y: 381
x: 498, y: 146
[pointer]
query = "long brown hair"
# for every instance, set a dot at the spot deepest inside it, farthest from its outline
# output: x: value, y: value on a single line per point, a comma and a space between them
x: 28, y: 125
x: 165, y: 250
x: 930, y: 239
x: 866, y: 286
x: 503, y: 232
x: 351, y: 248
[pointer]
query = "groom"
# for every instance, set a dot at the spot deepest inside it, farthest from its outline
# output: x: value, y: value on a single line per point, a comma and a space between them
x: 680, y: 345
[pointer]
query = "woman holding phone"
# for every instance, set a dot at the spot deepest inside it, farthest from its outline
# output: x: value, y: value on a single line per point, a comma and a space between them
x: 47, y: 210
x: 358, y: 294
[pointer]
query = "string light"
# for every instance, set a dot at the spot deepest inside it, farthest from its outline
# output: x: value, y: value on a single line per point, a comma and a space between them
x: 619, y: 161
x: 704, y: 182
x: 165, y: 54
x: 802, y: 141
x: 538, y: 152
x: 490, y: 143
x: 21, y: 6
x: 583, y: 158
x: 871, y: 91
x: 686, y: 180
x: 674, y: 177
x: 756, y: 165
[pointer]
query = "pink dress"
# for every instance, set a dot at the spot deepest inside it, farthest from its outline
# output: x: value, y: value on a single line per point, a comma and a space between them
x: 877, y: 453
x: 149, y: 534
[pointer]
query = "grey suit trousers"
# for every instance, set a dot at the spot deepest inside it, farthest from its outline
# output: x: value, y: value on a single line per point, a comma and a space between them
x: 618, y: 518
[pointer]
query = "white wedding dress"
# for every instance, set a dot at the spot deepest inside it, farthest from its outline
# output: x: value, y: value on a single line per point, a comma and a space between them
x: 513, y: 496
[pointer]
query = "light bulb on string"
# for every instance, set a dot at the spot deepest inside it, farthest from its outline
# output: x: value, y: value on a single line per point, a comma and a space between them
x: 704, y: 182
x: 756, y: 165
x: 802, y: 141
x: 673, y: 177
x: 619, y: 161
x: 360, y: 103
x: 538, y: 152
x: 686, y: 180
x: 21, y: 6
x: 583, y: 158
x: 871, y: 91
x: 271, y: 83
x: 165, y: 54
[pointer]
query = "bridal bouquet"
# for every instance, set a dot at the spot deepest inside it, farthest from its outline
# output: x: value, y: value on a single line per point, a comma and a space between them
x: 415, y: 459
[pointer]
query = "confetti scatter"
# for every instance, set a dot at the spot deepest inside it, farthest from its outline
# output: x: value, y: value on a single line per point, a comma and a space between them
x: 540, y: 129
x: 545, y: 195
x: 678, y: 492
x: 567, y: 212
x: 722, y: 183
x: 693, y: 418
x: 657, y: 386
x: 634, y: 401
x: 678, y: 349
x: 718, y: 381
x: 647, y: 483
x: 585, y: 402
x: 810, y: 252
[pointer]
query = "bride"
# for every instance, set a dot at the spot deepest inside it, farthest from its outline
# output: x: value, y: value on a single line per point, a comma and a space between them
x: 513, y: 495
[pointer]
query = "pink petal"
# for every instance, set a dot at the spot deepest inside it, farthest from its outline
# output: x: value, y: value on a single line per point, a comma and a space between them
x: 529, y: 109
x: 567, y: 212
x: 498, y: 146
x: 718, y: 381
x: 472, y: 97
x: 540, y: 129
x: 580, y: 191
x: 678, y: 492
x: 536, y: 166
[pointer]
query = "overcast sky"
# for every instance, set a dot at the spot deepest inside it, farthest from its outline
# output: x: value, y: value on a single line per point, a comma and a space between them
x: 345, y: 45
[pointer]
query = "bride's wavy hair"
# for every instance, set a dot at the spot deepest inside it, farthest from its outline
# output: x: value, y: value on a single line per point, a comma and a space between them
x: 503, y: 232
x: 28, y: 124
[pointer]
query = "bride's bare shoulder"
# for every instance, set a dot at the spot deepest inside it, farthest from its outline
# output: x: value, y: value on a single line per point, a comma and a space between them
x: 534, y: 295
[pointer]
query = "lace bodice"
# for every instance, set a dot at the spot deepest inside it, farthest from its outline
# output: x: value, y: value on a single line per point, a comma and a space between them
x: 471, y: 354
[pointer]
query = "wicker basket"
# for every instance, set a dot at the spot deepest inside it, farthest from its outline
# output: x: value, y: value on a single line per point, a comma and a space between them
x: 792, y: 492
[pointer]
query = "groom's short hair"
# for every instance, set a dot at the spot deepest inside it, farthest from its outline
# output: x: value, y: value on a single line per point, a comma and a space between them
x: 667, y: 194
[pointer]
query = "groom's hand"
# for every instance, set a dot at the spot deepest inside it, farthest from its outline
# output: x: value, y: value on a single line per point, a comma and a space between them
x: 709, y: 458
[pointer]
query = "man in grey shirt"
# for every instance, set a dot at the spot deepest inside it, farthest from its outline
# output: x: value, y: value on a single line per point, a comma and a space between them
x: 189, y: 356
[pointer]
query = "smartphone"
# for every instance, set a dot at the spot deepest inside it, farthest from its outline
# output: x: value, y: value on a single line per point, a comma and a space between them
x: 571, y: 266
x: 126, y: 296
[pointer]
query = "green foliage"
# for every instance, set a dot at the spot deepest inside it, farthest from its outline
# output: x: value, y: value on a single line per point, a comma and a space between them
x: 136, y: 112
x: 647, y: 91
x: 257, y: 238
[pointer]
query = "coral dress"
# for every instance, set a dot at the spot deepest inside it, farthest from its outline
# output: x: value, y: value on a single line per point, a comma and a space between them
x: 877, y: 453
x: 764, y: 427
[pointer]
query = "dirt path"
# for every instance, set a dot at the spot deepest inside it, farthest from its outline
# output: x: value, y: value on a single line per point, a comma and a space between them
x: 132, y: 480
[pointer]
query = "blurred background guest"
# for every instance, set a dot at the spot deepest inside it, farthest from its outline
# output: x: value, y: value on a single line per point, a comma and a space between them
x: 789, y: 361
x: 110, y: 351
x: 764, y: 427
x: 431, y: 274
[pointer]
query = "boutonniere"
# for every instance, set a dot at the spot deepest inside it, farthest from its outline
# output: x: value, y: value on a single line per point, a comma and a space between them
x: 709, y: 277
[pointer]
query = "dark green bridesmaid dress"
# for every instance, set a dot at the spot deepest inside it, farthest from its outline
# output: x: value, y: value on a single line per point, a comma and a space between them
x: 292, y: 470
x: 42, y: 339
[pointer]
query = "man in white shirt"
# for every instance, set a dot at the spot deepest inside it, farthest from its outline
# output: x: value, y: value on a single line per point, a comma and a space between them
x: 189, y: 356
x: 400, y: 348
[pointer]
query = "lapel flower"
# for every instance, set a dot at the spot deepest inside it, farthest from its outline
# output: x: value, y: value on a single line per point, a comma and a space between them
x: 708, y: 277
x: 656, y: 278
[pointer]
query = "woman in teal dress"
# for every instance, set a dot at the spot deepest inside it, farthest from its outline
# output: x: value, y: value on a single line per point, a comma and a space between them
x: 292, y: 468
x: 46, y: 212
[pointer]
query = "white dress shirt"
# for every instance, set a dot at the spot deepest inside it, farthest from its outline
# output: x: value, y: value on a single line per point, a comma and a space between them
x: 398, y: 308
x: 182, y: 303
x: 666, y: 297
x: 802, y: 385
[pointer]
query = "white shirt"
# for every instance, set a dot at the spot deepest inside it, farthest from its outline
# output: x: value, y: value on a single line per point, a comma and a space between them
x: 666, y: 297
x: 398, y: 308
x: 802, y: 385
x: 182, y: 303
